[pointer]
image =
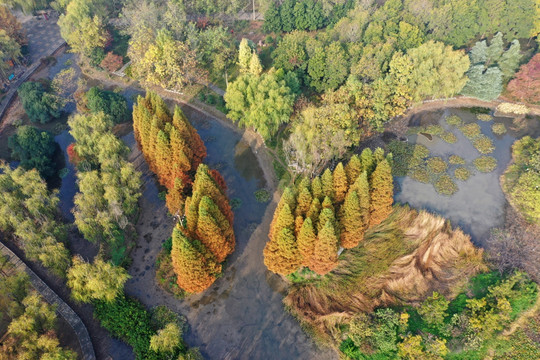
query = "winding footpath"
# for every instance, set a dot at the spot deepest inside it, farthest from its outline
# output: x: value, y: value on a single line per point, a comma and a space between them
x: 52, y: 298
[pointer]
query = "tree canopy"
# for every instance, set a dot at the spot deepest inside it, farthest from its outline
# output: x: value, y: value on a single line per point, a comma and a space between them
x: 40, y: 102
x: 34, y: 149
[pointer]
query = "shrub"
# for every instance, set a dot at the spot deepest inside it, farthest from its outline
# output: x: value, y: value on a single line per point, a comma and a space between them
x: 470, y: 131
x: 509, y: 108
x: 35, y: 149
x: 454, y: 120
x: 498, y: 128
x: 456, y: 160
x: 111, y: 103
x: 112, y: 62
x: 484, y: 117
x: 462, y: 173
x: 436, y: 165
x: 483, y: 144
x: 449, y: 137
x: 262, y: 195
x: 446, y: 186
x: 485, y: 164
x: 39, y: 102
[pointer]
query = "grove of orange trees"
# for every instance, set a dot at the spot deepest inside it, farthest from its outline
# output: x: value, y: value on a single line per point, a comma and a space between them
x: 318, y: 216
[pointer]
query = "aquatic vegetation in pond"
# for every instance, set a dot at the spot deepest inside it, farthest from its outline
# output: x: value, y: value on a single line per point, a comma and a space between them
x: 483, y: 144
x: 485, y: 164
x: 406, y: 156
x: 498, y: 128
x: 470, y: 131
x: 462, y: 173
x: 435, y: 130
x: 436, y: 165
x: 456, y: 160
x: 421, y: 175
x: 484, y: 117
x: 449, y: 137
x: 454, y: 120
x: 509, y: 108
x: 63, y: 173
x: 262, y: 195
x: 446, y: 186
x: 236, y: 203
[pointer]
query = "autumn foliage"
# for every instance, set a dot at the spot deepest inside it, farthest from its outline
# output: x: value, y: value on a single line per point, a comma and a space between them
x: 205, y: 236
x: 112, y: 62
x: 171, y: 146
x: 526, y: 84
x: 174, y: 151
x: 313, y: 220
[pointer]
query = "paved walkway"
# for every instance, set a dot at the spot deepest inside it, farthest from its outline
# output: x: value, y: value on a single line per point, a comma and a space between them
x: 52, y: 298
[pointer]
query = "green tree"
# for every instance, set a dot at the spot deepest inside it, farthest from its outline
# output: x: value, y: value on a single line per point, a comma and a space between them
x: 9, y: 50
x: 98, y: 281
x: 328, y: 184
x: 352, y: 221
x: 244, y: 55
x: 287, y: 14
x: 484, y: 85
x: 272, y: 18
x: 255, y: 66
x: 509, y: 61
x: 262, y: 103
x: 433, y: 70
x: 35, y: 150
x: 83, y: 25
x: 433, y: 309
x: 110, y: 103
x: 39, y: 103
x: 290, y: 54
x: 167, y: 340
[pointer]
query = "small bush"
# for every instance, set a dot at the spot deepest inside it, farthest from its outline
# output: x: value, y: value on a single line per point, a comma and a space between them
x: 436, y: 165
x: 456, y: 160
x: 262, y: 195
x: 484, y: 117
x: 483, y: 144
x: 498, y: 128
x: 236, y: 203
x: 446, y: 186
x: 449, y: 137
x: 509, y: 108
x: 421, y: 175
x: 462, y: 173
x: 454, y: 120
x: 471, y: 130
x: 485, y: 164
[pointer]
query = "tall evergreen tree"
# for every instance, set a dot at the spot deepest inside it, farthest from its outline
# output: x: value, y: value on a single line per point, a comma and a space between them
x: 341, y: 183
x: 195, y: 270
x: 282, y: 256
x: 326, y: 248
x: 509, y: 61
x: 368, y: 163
x: 304, y: 201
x: 328, y: 184
x: 306, y: 240
x: 352, y: 222
x: 314, y: 211
x: 272, y: 18
x: 316, y: 188
x: 286, y: 12
x: 484, y: 85
x: 325, y: 216
x: 255, y: 66
x: 382, y: 193
x: 353, y: 169
x: 214, y: 230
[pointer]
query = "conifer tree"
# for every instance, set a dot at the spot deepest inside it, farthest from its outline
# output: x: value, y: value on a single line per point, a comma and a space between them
x: 327, y: 204
x: 353, y: 169
x: 341, y: 183
x: 509, y: 61
x: 283, y: 220
x: 281, y: 255
x: 195, y: 270
x: 304, y: 201
x: 244, y: 55
x: 325, y: 216
x: 328, y: 184
x: 287, y: 198
x: 314, y: 210
x: 378, y: 155
x: 352, y: 222
x: 213, y: 230
x: 368, y: 163
x: 326, y: 247
x: 255, y: 66
x: 382, y: 192
x: 306, y: 240
x: 298, y: 222
x: 316, y: 188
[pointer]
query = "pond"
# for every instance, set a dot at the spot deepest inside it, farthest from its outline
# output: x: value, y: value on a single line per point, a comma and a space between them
x: 479, y: 203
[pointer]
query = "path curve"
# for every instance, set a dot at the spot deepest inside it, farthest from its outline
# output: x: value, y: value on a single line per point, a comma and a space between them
x: 52, y: 298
